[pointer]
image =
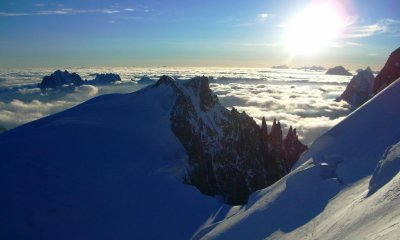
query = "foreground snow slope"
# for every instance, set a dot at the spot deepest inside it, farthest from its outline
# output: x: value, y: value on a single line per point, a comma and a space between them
x: 347, y: 186
x: 109, y: 168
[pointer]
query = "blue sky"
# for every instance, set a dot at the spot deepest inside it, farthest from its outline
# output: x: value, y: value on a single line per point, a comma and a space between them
x: 187, y: 33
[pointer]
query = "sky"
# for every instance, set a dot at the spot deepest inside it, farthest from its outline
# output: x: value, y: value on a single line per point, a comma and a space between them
x: 352, y: 33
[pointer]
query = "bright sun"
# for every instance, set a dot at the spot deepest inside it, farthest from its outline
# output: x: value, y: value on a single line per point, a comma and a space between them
x: 313, y: 29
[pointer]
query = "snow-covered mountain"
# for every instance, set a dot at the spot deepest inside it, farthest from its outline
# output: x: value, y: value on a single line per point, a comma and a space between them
x: 346, y: 186
x: 360, y: 88
x: 113, y: 166
x: 364, y: 85
x: 110, y: 168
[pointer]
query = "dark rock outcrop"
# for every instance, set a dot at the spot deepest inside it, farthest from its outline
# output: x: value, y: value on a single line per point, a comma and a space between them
x: 338, y: 70
x: 59, y: 78
x: 105, y: 78
x: 389, y: 73
x: 359, y: 90
x: 229, y: 154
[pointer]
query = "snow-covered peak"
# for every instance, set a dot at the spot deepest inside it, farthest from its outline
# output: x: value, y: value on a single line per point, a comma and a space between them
x: 113, y: 167
x: 360, y: 87
x: 108, y: 168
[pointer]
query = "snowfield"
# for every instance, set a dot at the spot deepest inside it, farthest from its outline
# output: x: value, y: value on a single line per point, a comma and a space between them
x: 109, y: 168
x: 347, y: 186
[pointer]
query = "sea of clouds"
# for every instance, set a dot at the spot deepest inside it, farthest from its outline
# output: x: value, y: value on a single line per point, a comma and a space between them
x: 304, y: 99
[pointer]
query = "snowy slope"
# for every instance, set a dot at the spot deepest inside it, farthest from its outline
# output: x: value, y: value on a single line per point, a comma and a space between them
x: 345, y: 187
x: 110, y: 168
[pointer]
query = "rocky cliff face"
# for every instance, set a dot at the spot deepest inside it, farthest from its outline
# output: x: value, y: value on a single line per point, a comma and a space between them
x: 229, y: 154
x: 389, y: 73
x: 59, y: 78
x: 360, y: 88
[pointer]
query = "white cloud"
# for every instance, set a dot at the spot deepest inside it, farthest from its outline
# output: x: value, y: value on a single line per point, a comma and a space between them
x: 309, y: 106
x: 305, y: 101
x: 68, y: 11
x: 29, y: 91
x: 9, y: 14
x: 18, y: 112
x: 353, y: 43
x: 56, y: 12
x: 382, y: 26
x: 263, y: 16
x: 110, y: 11
x: 88, y: 90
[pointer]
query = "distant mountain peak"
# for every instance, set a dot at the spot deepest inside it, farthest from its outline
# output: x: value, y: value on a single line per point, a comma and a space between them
x: 338, y: 70
x: 59, y: 78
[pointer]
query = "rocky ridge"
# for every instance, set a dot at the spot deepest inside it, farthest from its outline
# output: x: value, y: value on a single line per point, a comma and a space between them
x: 389, y: 73
x: 60, y: 78
x: 359, y: 90
x: 229, y: 154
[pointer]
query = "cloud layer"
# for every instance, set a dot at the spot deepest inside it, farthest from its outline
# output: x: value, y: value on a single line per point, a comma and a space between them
x: 43, y: 9
x: 386, y: 25
x: 312, y: 109
x: 305, y: 100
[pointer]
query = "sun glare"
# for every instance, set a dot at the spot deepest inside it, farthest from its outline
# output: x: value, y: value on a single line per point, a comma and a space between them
x: 313, y: 29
